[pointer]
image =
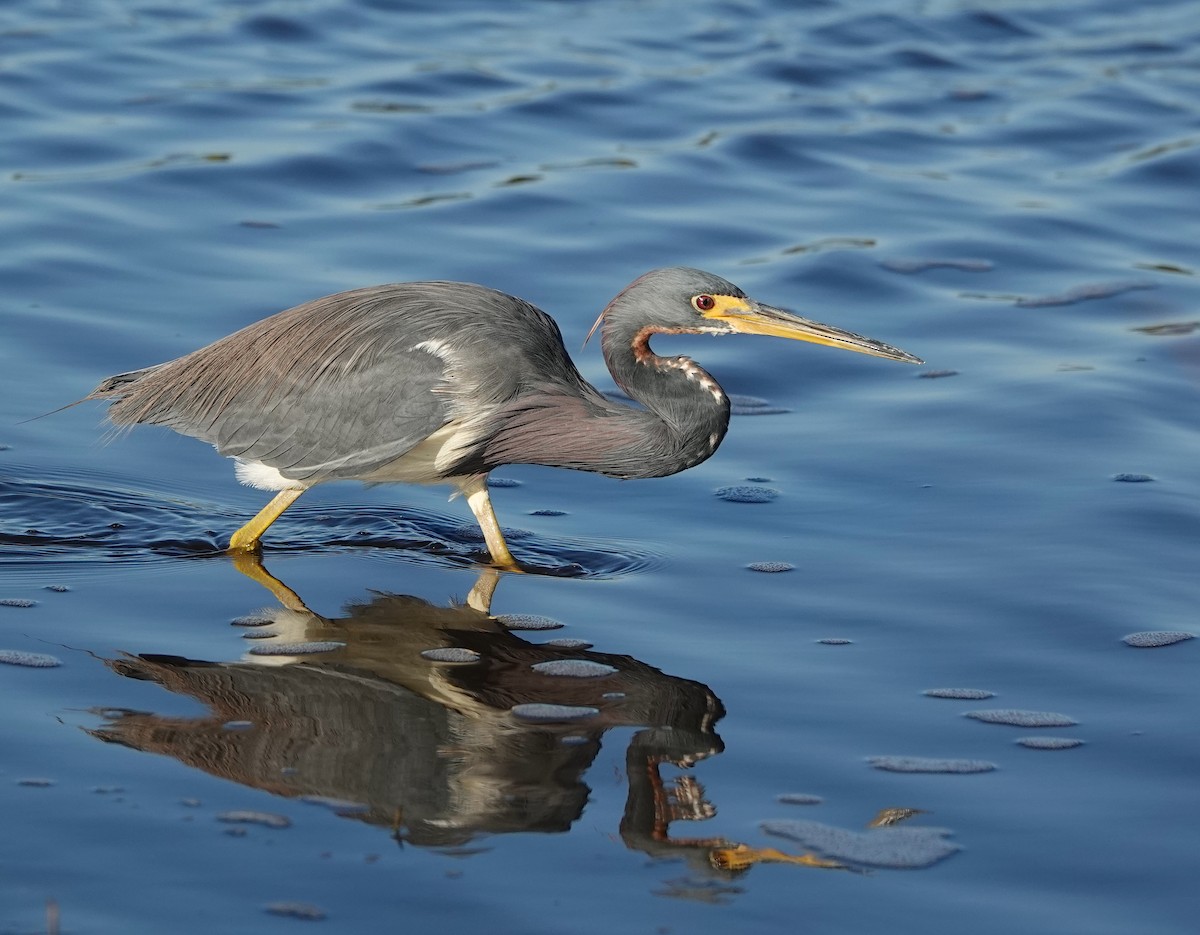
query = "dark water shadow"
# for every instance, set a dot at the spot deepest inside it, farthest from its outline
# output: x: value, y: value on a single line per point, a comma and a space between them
x: 438, y: 723
x: 65, y: 519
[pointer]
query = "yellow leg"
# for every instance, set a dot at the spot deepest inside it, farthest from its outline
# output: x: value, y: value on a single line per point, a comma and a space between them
x: 481, y: 505
x: 250, y: 565
x: 246, y: 538
x: 743, y: 857
x: 480, y: 596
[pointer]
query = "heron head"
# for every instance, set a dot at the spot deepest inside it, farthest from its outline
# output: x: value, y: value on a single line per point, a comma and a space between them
x: 680, y: 300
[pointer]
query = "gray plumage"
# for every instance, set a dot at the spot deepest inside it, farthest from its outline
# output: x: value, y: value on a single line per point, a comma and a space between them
x: 432, y: 382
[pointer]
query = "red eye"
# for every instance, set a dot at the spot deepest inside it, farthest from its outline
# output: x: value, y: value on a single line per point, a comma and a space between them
x: 704, y: 303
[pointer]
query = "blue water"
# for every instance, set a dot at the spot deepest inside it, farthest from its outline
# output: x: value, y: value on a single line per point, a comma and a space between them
x: 1007, y: 190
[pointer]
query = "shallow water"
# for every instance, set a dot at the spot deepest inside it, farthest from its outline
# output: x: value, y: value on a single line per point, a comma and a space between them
x: 1005, y: 190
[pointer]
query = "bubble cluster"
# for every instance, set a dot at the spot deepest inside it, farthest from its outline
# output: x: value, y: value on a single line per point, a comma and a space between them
x: 574, y: 668
x: 961, y: 694
x: 922, y: 764
x: 455, y: 655
x: 549, y: 713
x: 529, y: 622
x: 16, y: 657
x: 745, y: 493
x: 1153, y: 639
x: 1016, y: 718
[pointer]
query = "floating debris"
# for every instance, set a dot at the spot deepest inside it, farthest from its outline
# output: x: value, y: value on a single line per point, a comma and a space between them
x: 529, y: 622
x: 57, y: 588
x: 547, y: 512
x: 770, y: 568
x: 17, y: 657
x: 1022, y: 718
x: 922, y: 764
x: 16, y: 602
x: 1099, y: 290
x: 1153, y: 639
x: 244, y: 817
x: 798, y: 798
x: 893, y: 816
x: 741, y: 493
x: 1050, y: 743
x: 834, y: 641
x: 900, y: 848
x: 306, y: 911
x: 568, y: 643
x: 960, y: 694
x: 548, y: 713
x: 916, y: 265
x: 574, y: 668
x: 36, y: 783
x: 295, y: 649
x: 503, y: 482
x: 454, y: 655
x: 1133, y: 478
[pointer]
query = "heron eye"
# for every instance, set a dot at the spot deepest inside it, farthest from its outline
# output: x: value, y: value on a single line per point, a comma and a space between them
x: 704, y: 303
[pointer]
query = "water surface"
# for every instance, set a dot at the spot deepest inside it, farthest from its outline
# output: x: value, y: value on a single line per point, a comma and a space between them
x: 1005, y: 190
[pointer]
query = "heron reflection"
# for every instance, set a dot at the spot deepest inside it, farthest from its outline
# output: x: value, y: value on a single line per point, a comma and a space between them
x: 438, y: 751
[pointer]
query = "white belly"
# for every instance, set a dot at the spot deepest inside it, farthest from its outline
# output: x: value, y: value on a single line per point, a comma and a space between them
x: 424, y: 464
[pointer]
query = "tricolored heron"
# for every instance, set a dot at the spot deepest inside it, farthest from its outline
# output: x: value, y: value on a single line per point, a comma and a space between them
x: 440, y: 382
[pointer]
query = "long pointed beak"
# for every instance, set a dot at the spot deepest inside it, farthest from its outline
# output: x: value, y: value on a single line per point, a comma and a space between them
x: 756, y: 318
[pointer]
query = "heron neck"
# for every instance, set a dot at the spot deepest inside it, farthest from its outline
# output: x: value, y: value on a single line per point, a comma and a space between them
x: 689, y: 404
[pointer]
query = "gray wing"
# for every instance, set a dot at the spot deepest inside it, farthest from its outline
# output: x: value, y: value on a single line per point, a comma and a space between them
x: 342, y: 427
x: 333, y: 388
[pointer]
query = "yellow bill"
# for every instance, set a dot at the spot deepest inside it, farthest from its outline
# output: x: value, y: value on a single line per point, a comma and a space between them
x: 750, y: 317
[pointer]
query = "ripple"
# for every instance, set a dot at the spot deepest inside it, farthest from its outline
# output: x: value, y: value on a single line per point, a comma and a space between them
x: 1015, y: 718
x: 289, y: 910
x: 245, y: 817
x: 936, y: 374
x: 916, y: 265
x: 1133, y: 478
x: 798, y: 798
x: 921, y: 764
x: 89, y: 520
x: 1153, y: 639
x: 1084, y: 293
